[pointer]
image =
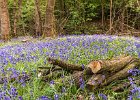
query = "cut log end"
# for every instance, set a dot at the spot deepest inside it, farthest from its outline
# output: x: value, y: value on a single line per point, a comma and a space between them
x: 95, y: 66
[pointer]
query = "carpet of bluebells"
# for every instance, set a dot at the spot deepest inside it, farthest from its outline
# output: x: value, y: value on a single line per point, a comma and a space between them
x: 19, y: 59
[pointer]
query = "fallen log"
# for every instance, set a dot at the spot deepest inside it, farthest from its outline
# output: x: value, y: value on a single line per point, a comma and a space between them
x: 77, y: 78
x: 123, y: 85
x: 110, y: 66
x: 122, y: 73
x: 99, y: 66
x: 96, y: 82
x: 101, y: 72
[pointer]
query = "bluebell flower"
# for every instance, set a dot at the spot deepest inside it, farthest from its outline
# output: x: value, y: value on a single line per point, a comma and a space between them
x: 13, y: 92
x: 2, y: 94
x: 130, y: 97
x: 92, y: 97
x: 103, y: 96
x: 56, y: 97
x: 44, y: 98
x: 52, y: 82
x: 20, y: 98
x: 6, y: 98
x: 82, y: 83
x: 83, y: 66
x: 63, y: 89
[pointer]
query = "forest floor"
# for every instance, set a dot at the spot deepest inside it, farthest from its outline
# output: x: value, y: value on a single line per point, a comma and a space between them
x: 25, y: 55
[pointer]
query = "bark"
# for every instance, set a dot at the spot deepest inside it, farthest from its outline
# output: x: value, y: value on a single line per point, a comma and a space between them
x: 49, y: 27
x: 5, y: 22
x: 38, y: 21
x: 77, y: 78
x: 95, y: 81
x: 102, y: 3
x: 110, y: 66
x: 50, y: 76
x: 122, y: 73
x: 99, y: 73
x: 110, y: 16
x: 104, y: 79
x: 65, y: 65
x: 121, y: 86
x: 17, y: 15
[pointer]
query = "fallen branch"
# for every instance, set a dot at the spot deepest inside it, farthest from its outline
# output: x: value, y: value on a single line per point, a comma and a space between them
x: 101, y: 72
x: 64, y: 65
x: 123, y: 85
x: 110, y: 66
x: 102, y: 80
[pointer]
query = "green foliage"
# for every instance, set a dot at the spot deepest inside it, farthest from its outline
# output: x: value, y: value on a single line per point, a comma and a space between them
x: 79, y: 13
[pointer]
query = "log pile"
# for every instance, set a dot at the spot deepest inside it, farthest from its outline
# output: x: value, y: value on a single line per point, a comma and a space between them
x: 97, y: 73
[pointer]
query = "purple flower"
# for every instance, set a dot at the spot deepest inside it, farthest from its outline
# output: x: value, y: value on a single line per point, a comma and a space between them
x: 13, y: 92
x: 52, y: 82
x: 83, y: 66
x: 5, y: 83
x: 56, y: 97
x: 92, y: 97
x: 44, y: 98
x: 2, y: 95
x: 82, y: 83
x: 6, y: 98
x: 130, y: 97
x: 103, y: 96
x: 20, y: 98
x: 63, y: 89
x: 22, y: 81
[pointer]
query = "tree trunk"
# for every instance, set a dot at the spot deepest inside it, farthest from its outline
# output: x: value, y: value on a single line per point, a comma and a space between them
x: 5, y: 23
x: 17, y: 12
x: 49, y: 27
x: 102, y: 2
x: 38, y: 22
x: 122, y: 19
x: 110, y: 16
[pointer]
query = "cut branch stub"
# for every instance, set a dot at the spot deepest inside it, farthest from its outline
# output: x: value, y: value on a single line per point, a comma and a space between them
x: 95, y: 66
x: 110, y: 66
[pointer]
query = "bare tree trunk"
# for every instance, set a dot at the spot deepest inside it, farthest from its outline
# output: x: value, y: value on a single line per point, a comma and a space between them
x: 49, y: 27
x: 17, y: 15
x: 122, y: 20
x: 110, y: 16
x: 5, y: 22
x: 38, y: 22
x: 102, y: 2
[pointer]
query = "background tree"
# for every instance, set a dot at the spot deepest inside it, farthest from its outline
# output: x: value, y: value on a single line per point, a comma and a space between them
x: 5, y: 23
x: 31, y: 17
x: 49, y: 27
x: 38, y: 22
x: 17, y: 15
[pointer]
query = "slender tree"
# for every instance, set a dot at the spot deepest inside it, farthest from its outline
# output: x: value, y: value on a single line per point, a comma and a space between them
x: 5, y: 23
x: 122, y: 16
x: 49, y: 27
x: 17, y: 14
x: 38, y: 22
x: 102, y: 3
x: 110, y: 16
